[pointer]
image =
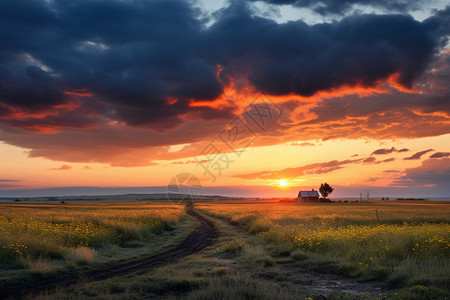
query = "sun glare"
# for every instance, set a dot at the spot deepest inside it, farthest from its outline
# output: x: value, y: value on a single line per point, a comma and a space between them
x: 282, y: 182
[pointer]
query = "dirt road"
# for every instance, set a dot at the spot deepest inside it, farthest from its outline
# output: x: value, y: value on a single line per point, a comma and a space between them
x: 199, y: 239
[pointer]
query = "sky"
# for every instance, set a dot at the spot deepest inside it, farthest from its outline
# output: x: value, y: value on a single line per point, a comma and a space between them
x: 253, y: 98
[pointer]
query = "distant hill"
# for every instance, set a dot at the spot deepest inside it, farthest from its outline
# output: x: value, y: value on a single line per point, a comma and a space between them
x: 124, y: 197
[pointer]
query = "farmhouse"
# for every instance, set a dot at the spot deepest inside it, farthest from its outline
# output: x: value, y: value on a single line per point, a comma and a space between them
x: 308, y: 196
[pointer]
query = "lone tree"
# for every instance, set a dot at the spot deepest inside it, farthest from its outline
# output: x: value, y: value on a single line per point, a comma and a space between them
x: 325, y: 189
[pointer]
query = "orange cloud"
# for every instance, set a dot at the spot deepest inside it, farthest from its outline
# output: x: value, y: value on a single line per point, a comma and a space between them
x: 62, y: 168
x: 289, y: 173
x: 79, y: 93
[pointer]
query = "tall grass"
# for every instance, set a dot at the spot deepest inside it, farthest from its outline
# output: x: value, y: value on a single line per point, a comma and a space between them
x: 240, y: 287
x: 55, y: 231
x: 82, y: 255
x: 366, y: 242
x: 36, y: 265
x: 413, y: 237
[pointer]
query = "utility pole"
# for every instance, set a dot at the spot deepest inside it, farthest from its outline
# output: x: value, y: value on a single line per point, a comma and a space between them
x: 360, y: 197
x: 367, y: 196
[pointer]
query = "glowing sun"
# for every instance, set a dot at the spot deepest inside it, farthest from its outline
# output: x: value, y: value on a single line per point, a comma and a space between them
x: 282, y: 182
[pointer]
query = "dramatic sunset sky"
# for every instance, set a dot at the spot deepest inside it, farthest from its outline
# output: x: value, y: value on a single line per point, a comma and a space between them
x: 255, y: 98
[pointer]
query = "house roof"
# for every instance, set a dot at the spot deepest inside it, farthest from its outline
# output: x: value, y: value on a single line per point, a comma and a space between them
x: 309, y: 194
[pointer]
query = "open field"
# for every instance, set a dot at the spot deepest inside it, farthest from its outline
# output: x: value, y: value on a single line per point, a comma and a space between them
x: 262, y: 250
x: 44, y: 238
x: 404, y: 243
x: 49, y: 230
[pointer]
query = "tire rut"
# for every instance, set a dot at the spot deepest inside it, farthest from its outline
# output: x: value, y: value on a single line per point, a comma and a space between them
x: 196, y: 241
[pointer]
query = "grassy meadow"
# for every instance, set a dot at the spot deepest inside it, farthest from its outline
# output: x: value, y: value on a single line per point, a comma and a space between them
x: 264, y: 249
x: 41, y: 237
x: 403, y: 243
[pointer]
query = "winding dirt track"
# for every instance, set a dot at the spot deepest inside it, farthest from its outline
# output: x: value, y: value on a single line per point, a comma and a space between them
x: 199, y: 239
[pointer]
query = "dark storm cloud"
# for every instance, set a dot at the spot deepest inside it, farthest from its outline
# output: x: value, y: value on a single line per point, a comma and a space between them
x: 298, y: 58
x: 132, y: 56
x: 325, y: 7
x: 388, y: 151
x: 98, y: 72
x: 440, y: 23
x: 418, y: 155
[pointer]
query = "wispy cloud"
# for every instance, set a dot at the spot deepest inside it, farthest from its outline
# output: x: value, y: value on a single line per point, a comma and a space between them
x: 440, y: 155
x: 62, y: 168
x: 190, y: 162
x: 316, y: 168
x: 9, y: 183
x: 388, y: 151
x: 432, y: 172
x: 304, y: 144
x: 373, y: 160
x: 418, y: 155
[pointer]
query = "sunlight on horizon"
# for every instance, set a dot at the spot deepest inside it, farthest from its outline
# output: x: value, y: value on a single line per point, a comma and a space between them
x: 282, y: 183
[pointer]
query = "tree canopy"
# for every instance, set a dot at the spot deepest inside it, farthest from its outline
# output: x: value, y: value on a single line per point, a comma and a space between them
x: 325, y: 189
